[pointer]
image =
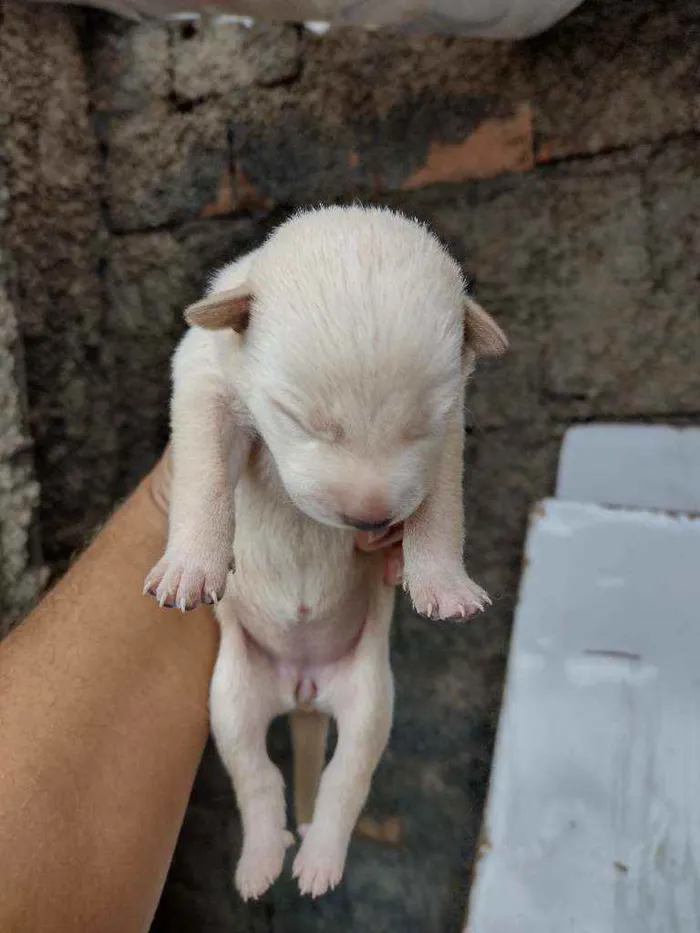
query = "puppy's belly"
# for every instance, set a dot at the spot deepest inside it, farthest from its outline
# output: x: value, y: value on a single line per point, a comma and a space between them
x: 300, y: 591
x: 300, y: 634
x: 306, y: 645
x: 308, y: 659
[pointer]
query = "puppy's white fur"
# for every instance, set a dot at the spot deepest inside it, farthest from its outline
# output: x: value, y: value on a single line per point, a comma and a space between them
x: 320, y: 390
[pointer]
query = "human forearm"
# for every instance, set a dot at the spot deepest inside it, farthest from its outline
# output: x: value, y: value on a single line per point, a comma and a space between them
x: 103, y: 717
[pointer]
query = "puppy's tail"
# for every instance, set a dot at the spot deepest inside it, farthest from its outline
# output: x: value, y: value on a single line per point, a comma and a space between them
x: 309, y: 735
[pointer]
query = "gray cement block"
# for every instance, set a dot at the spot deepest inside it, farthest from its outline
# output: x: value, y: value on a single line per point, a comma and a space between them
x: 672, y: 192
x: 597, y: 289
x: 22, y: 573
x: 213, y: 59
x: 57, y: 241
x: 258, y: 118
x: 590, y: 268
x: 129, y: 63
x: 342, y: 127
x: 614, y: 74
x: 164, y: 166
x: 623, y: 335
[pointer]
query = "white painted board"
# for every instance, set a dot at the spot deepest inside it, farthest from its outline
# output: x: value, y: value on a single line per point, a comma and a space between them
x: 640, y: 466
x: 593, y: 818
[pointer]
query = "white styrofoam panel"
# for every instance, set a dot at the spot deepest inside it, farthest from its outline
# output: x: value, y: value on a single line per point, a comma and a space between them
x: 593, y: 817
x: 639, y: 466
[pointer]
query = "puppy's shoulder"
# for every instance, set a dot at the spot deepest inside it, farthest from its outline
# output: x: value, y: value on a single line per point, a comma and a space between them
x: 196, y: 354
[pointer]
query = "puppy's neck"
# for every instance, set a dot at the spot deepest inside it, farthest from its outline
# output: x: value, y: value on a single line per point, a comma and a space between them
x: 264, y: 473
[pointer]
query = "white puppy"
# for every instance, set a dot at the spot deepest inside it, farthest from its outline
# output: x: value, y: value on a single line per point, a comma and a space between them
x: 319, y: 391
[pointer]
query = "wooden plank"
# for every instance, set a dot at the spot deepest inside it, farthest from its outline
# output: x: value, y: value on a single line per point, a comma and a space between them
x: 593, y: 817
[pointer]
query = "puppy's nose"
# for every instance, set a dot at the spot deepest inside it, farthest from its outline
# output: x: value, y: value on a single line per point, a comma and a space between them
x: 363, y: 525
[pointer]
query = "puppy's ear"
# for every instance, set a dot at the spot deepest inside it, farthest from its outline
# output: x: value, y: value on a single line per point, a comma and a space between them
x: 223, y: 309
x: 481, y: 333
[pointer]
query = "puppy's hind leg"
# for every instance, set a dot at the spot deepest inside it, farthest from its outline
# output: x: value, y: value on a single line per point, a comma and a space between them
x: 243, y: 700
x: 361, y: 697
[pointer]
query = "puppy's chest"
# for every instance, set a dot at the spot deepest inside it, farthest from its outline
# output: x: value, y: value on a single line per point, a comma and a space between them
x: 290, y: 568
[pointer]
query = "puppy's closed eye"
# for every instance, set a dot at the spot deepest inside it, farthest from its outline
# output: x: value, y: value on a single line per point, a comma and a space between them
x: 316, y: 427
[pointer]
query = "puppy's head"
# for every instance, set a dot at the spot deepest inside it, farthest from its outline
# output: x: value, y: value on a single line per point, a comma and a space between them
x: 355, y: 340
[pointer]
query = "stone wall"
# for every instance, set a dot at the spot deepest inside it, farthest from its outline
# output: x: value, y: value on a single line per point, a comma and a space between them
x: 563, y: 171
x: 58, y: 242
x: 21, y: 565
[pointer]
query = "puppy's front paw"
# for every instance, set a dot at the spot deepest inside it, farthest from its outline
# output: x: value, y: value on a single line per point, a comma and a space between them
x: 261, y: 863
x: 183, y: 579
x: 451, y: 596
x: 319, y: 863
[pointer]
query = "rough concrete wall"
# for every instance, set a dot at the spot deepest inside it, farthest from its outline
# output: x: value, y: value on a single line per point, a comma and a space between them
x: 58, y: 244
x: 21, y: 571
x: 563, y: 171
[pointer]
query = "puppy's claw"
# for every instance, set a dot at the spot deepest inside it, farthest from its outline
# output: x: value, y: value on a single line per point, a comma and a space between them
x: 457, y: 598
x: 260, y: 866
x: 318, y: 866
x: 186, y: 579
